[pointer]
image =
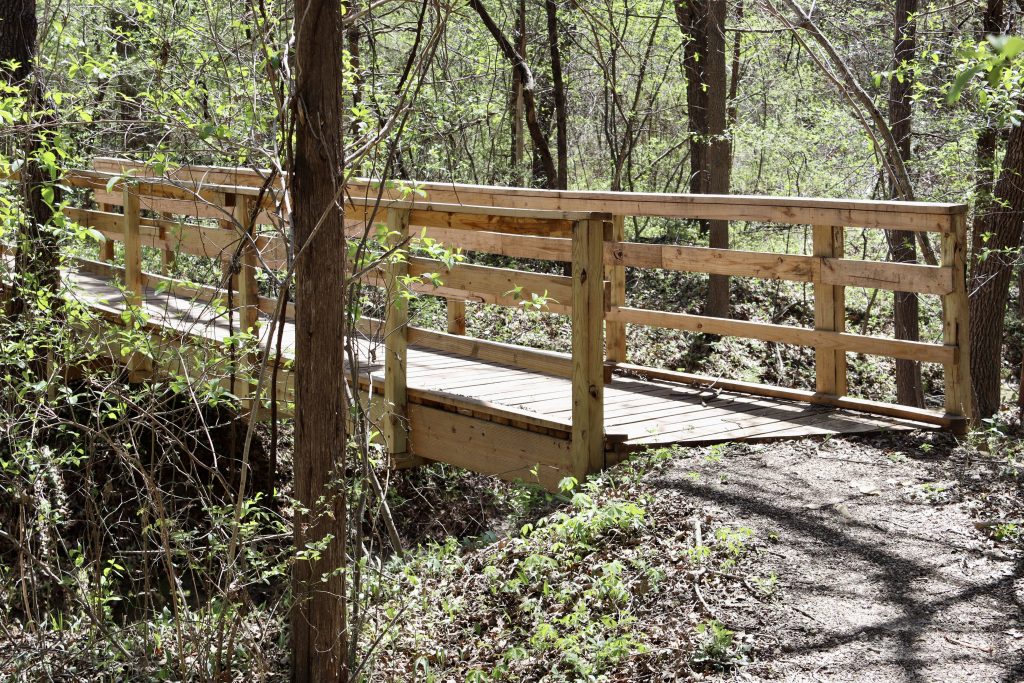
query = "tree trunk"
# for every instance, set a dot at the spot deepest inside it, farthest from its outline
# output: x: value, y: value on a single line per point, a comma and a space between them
x: 991, y: 275
x: 703, y: 25
x: 719, y: 154
x: 901, y: 243
x: 558, y: 83
x: 37, y: 257
x: 517, y: 108
x: 353, y: 36
x: 692, y: 18
x: 992, y: 23
x: 319, y: 616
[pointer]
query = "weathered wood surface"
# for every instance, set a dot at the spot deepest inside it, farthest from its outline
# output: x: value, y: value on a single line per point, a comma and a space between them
x: 637, y: 411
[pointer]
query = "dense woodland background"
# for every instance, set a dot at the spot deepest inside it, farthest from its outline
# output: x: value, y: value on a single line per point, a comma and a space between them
x: 120, y: 557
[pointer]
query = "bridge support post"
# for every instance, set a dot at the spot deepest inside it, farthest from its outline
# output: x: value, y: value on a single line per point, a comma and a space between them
x: 248, y: 293
x: 587, y: 347
x: 139, y: 365
x: 829, y: 314
x: 959, y: 396
x: 106, y: 251
x: 396, y: 326
x: 615, y: 331
x: 167, y: 255
x: 456, y: 316
x: 247, y: 302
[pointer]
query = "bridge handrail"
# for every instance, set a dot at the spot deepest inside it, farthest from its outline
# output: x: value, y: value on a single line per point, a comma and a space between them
x: 585, y: 229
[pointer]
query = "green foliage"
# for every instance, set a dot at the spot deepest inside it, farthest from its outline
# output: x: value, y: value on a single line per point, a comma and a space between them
x: 718, y: 648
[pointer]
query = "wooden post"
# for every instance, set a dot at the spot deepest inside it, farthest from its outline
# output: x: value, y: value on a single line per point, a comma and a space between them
x: 587, y: 347
x: 829, y: 314
x: 615, y: 332
x: 396, y: 319
x: 248, y: 293
x: 132, y: 248
x: 167, y: 256
x: 456, y: 316
x: 139, y: 366
x: 959, y: 397
x: 107, y: 245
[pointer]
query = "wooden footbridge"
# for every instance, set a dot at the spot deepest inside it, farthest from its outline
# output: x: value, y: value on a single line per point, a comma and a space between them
x: 505, y: 409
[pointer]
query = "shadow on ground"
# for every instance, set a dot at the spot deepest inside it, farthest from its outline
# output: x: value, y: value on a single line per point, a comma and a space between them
x: 884, y: 575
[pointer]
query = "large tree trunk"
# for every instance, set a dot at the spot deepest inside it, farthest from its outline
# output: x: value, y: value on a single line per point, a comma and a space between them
x: 319, y: 623
x: 37, y: 257
x: 703, y: 25
x: 991, y: 275
x: 901, y: 243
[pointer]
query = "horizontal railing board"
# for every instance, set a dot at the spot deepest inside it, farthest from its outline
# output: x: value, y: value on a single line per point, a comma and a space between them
x: 205, y: 241
x: 920, y: 216
x: 785, y: 334
x: 794, y: 267
x: 198, y: 240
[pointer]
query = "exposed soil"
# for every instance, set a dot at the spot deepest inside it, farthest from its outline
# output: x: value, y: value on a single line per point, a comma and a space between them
x: 886, y: 569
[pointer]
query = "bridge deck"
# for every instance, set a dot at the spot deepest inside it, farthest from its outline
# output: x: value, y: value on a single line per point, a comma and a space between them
x: 638, y: 412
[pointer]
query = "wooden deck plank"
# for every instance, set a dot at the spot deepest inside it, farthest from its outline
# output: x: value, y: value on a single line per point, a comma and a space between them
x: 643, y: 411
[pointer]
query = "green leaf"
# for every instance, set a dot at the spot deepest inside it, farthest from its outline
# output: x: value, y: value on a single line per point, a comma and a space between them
x: 960, y: 82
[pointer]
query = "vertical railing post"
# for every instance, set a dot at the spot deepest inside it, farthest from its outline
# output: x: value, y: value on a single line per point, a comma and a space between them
x: 587, y: 347
x: 396, y: 319
x: 248, y: 294
x: 139, y: 365
x: 456, y: 316
x: 107, y: 245
x: 167, y: 256
x: 959, y: 399
x: 132, y: 248
x: 615, y: 332
x: 829, y: 314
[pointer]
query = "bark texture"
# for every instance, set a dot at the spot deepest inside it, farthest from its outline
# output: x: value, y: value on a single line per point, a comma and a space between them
x: 703, y: 25
x: 991, y: 275
x: 319, y: 638
x: 37, y: 257
x: 558, y: 86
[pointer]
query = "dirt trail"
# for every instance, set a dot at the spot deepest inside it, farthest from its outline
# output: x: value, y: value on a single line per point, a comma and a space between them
x: 883, y: 574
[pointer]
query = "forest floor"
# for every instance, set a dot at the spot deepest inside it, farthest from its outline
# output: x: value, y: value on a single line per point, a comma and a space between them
x: 895, y: 556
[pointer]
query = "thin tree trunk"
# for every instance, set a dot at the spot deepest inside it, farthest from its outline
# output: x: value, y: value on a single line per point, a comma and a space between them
x: 703, y: 25
x: 692, y: 18
x: 558, y: 83
x: 353, y: 36
x: 719, y: 155
x: 319, y: 617
x: 901, y: 243
x: 37, y: 257
x: 990, y: 279
x: 992, y: 23
x: 517, y: 108
x: 518, y: 63
x: 734, y: 76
